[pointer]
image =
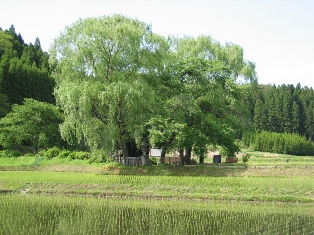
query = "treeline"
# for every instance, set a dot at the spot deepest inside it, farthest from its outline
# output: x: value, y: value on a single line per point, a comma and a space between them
x: 282, y: 143
x: 121, y: 88
x: 24, y: 71
x: 173, y: 93
x: 281, y: 109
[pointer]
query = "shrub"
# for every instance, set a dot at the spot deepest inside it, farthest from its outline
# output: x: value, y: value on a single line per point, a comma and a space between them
x: 154, y: 160
x: 29, y: 155
x: 99, y: 160
x: 51, y: 153
x: 64, y: 154
x: 10, y: 153
x: 100, y: 156
x: 246, y: 157
x: 78, y: 155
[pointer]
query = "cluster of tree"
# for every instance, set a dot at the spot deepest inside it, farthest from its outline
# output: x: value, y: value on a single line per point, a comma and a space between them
x: 120, y: 86
x: 33, y: 124
x: 283, y: 143
x: 24, y: 71
x: 119, y: 83
x: 281, y: 109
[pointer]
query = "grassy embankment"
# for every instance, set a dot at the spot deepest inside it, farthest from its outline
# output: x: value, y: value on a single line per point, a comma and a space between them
x: 260, y: 164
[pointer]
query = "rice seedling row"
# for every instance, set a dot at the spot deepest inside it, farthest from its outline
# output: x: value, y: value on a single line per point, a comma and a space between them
x: 299, y: 189
x: 76, y: 215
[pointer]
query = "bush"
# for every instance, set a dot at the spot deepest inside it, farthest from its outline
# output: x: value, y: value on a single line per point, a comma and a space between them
x: 29, y: 155
x: 78, y: 155
x: 51, y: 153
x: 100, y: 156
x: 246, y: 157
x: 64, y: 154
x: 154, y: 160
x: 10, y: 153
x: 99, y: 160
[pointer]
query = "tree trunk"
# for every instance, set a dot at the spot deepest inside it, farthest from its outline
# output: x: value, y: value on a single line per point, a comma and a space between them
x: 124, y: 149
x: 181, y: 154
x: 165, y: 147
x: 36, y: 149
x: 202, y: 155
x: 188, y: 154
x: 202, y: 158
x: 162, y: 156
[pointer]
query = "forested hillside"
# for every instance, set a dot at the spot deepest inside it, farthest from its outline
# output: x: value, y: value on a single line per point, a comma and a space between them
x: 24, y: 71
x: 281, y: 109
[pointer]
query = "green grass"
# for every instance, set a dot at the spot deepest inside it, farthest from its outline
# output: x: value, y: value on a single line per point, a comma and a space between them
x: 261, y: 158
x: 17, y: 161
x: 32, y: 161
x: 259, y: 180
x: 260, y: 164
x: 192, y: 187
x: 268, y: 195
x: 256, y: 159
x: 77, y: 215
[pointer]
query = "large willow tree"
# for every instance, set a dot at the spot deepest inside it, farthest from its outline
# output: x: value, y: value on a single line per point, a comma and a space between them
x: 117, y: 82
x: 101, y: 67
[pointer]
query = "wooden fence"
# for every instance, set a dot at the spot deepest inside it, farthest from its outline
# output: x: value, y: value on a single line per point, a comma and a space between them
x: 173, y: 160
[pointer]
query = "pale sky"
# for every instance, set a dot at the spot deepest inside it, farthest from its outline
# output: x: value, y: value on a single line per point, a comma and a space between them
x: 278, y: 35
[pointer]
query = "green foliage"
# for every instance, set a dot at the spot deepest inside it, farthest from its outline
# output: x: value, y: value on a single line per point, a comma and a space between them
x: 79, y: 155
x: 55, y: 152
x: 51, y: 152
x: 22, y: 80
x: 154, y: 160
x: 117, y: 82
x: 5, y: 42
x: 286, y: 143
x: 228, y: 153
x: 9, y: 153
x: 64, y: 153
x: 164, y: 132
x: 204, y: 113
x: 4, y: 101
x: 246, y: 157
x: 100, y: 156
x: 24, y: 70
x: 229, y: 54
x: 34, y: 123
x: 281, y: 109
x: 105, y: 97
x: 38, y: 160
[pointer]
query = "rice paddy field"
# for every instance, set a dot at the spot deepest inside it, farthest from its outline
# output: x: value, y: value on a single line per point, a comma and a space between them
x: 269, y: 195
x: 37, y: 214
